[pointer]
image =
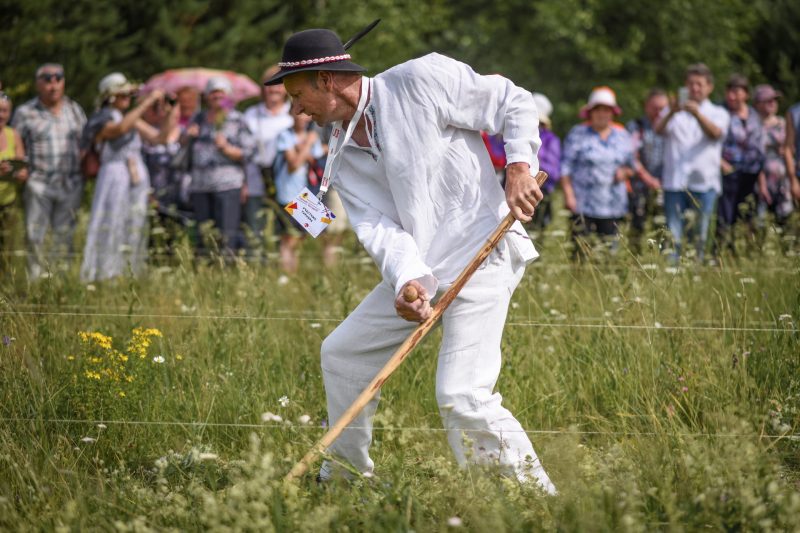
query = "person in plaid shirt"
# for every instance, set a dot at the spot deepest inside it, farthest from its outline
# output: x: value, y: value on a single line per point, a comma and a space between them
x: 50, y: 126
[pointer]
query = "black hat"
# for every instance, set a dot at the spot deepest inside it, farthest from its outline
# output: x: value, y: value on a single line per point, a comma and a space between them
x: 313, y: 50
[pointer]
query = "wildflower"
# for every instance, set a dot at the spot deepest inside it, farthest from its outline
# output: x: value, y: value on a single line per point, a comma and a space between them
x: 304, y: 419
x: 158, y: 359
x: 70, y: 358
x: 283, y: 400
x: 92, y: 375
x: 122, y: 394
x: 368, y: 475
x: 455, y: 521
x: 315, y: 325
x: 649, y: 266
x: 8, y: 340
x: 91, y: 288
x: 206, y: 456
x: 283, y: 280
x: 746, y: 280
x: 658, y: 325
x: 615, y: 299
x: 652, y: 243
x: 785, y: 317
x: 271, y: 417
x: 88, y: 440
x: 514, y: 305
x: 101, y: 426
x: 684, y: 389
x: 179, y: 357
x: 186, y: 309
x: 671, y: 270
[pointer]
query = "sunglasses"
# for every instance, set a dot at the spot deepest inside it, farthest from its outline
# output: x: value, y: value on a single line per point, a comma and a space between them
x: 50, y: 76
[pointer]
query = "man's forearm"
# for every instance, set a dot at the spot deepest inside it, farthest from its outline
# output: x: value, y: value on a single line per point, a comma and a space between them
x: 708, y: 127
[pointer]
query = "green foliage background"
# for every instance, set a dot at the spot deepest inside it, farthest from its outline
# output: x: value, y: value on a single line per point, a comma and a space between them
x: 559, y: 47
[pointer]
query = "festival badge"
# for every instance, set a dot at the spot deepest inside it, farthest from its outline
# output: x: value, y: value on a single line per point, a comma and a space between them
x: 310, y: 212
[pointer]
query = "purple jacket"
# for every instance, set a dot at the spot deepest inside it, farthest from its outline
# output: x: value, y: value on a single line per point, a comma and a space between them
x: 550, y: 158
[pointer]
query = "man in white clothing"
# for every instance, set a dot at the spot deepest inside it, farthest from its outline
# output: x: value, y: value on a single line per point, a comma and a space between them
x: 421, y: 194
x: 692, y: 180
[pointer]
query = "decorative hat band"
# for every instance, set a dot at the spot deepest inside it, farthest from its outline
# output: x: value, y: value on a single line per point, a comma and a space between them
x: 317, y: 61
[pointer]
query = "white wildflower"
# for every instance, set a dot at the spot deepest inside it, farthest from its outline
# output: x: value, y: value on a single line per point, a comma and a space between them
x: 514, y: 305
x: 158, y: 359
x: 558, y: 233
x: 368, y: 475
x: 658, y: 325
x: 304, y: 420
x: 746, y: 280
x: 315, y: 325
x: 91, y: 288
x: 271, y: 417
x: 607, y: 314
x: 283, y: 400
x: 671, y: 270
x: 785, y: 317
x: 649, y: 266
x: 207, y: 456
x: 615, y: 299
x: 88, y: 440
x: 101, y: 426
x: 455, y: 521
x: 187, y: 309
x: 283, y: 280
x: 652, y: 242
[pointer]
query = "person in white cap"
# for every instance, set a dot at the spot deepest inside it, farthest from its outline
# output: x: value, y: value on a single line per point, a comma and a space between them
x: 597, y: 160
x: 221, y: 143
x: 419, y: 188
x: 549, y: 161
x: 116, y: 238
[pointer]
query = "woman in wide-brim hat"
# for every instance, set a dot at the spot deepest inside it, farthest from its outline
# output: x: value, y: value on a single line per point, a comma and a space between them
x: 596, y: 162
x: 116, y: 237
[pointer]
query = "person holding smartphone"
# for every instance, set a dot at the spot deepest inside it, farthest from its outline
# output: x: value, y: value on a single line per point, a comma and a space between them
x: 694, y: 132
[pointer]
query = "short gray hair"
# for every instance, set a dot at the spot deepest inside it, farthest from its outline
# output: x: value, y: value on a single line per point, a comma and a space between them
x: 57, y: 66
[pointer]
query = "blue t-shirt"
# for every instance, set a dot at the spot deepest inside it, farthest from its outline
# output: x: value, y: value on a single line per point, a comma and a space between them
x: 289, y: 184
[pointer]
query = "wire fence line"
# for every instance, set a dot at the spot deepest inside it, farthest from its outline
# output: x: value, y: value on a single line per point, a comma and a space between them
x: 321, y: 427
x: 788, y: 328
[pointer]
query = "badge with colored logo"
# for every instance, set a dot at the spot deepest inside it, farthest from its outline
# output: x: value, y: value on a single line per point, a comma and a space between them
x: 310, y: 212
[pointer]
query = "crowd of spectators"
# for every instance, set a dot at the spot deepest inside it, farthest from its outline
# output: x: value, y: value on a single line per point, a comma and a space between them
x: 190, y: 162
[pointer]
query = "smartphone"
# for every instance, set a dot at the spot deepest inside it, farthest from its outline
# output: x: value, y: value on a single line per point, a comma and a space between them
x: 683, y: 96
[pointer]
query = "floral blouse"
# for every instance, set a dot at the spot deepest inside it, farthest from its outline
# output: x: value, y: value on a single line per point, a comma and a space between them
x: 591, y: 163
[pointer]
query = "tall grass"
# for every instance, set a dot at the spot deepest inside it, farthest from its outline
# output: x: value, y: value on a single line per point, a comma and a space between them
x: 658, y: 398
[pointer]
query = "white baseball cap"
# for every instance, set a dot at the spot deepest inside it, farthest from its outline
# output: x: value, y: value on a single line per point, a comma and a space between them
x: 115, y: 83
x: 218, y: 83
x: 544, y: 107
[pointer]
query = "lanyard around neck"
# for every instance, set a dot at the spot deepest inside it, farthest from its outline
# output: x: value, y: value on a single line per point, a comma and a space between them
x: 339, y: 140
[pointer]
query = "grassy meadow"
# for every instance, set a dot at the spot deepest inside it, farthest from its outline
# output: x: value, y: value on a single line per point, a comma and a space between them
x: 657, y: 398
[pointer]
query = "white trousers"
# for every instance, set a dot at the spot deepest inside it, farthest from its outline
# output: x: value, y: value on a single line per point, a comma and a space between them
x: 468, y: 368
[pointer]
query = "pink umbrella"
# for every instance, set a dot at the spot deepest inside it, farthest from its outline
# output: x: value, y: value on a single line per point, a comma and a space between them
x: 173, y: 80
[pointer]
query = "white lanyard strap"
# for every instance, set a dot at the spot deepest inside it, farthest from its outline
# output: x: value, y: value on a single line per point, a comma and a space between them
x: 338, y: 141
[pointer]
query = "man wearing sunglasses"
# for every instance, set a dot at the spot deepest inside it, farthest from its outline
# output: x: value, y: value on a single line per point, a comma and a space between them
x: 50, y: 126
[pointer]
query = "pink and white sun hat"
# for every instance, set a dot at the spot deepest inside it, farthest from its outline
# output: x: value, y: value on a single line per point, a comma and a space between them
x: 601, y: 96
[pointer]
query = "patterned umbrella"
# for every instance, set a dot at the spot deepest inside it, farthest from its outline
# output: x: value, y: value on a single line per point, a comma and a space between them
x: 173, y: 80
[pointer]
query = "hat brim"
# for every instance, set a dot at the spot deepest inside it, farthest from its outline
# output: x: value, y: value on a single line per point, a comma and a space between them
x: 338, y: 66
x: 584, y: 112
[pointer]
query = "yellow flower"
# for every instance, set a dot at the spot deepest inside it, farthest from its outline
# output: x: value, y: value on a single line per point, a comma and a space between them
x: 179, y: 357
x: 122, y: 394
x: 92, y: 375
x: 70, y: 358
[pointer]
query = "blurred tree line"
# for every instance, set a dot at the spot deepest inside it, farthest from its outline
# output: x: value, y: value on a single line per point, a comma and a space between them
x: 562, y: 48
